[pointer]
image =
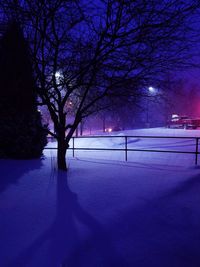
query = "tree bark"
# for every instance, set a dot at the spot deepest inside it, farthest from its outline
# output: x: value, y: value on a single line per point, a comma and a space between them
x: 61, y: 154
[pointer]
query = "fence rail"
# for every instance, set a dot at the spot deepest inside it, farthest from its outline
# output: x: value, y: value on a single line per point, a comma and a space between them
x: 127, y: 149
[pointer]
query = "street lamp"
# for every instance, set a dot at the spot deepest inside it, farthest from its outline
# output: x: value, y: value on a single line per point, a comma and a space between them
x: 151, y: 91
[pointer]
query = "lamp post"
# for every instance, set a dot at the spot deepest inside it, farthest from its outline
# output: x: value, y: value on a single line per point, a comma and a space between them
x: 151, y: 91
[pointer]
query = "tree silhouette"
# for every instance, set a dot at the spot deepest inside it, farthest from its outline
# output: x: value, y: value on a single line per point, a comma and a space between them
x: 21, y: 132
x: 87, y: 51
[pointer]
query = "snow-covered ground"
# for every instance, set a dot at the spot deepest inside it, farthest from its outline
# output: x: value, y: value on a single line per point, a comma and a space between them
x: 104, y: 212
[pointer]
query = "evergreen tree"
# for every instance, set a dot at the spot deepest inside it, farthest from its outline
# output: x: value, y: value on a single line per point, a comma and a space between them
x: 21, y: 132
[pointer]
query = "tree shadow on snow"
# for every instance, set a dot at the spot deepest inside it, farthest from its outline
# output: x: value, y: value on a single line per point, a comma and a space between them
x: 12, y: 170
x: 163, y: 231
x: 62, y: 241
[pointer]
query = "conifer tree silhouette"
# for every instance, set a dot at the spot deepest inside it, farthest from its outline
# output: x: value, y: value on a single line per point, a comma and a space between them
x: 21, y: 132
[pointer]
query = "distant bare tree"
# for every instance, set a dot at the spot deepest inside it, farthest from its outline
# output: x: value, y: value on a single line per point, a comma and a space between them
x: 86, y: 51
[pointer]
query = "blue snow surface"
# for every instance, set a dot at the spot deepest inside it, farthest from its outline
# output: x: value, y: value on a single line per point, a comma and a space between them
x: 104, y: 212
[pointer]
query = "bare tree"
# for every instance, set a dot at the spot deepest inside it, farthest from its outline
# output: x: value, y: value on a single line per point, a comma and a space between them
x: 86, y: 51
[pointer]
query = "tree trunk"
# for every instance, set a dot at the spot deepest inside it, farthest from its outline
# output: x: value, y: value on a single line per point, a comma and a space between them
x: 104, y: 124
x: 77, y: 131
x: 81, y: 128
x: 61, y: 153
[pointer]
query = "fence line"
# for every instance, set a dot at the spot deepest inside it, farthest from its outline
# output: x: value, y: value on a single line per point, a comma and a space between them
x: 126, y: 149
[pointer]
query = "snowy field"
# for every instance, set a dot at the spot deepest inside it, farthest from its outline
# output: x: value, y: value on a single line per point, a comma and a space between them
x: 137, y: 142
x: 104, y: 212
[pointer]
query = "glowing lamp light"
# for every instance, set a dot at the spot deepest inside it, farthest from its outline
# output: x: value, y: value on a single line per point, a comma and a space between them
x: 109, y: 130
x: 58, y: 75
x: 151, y: 89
